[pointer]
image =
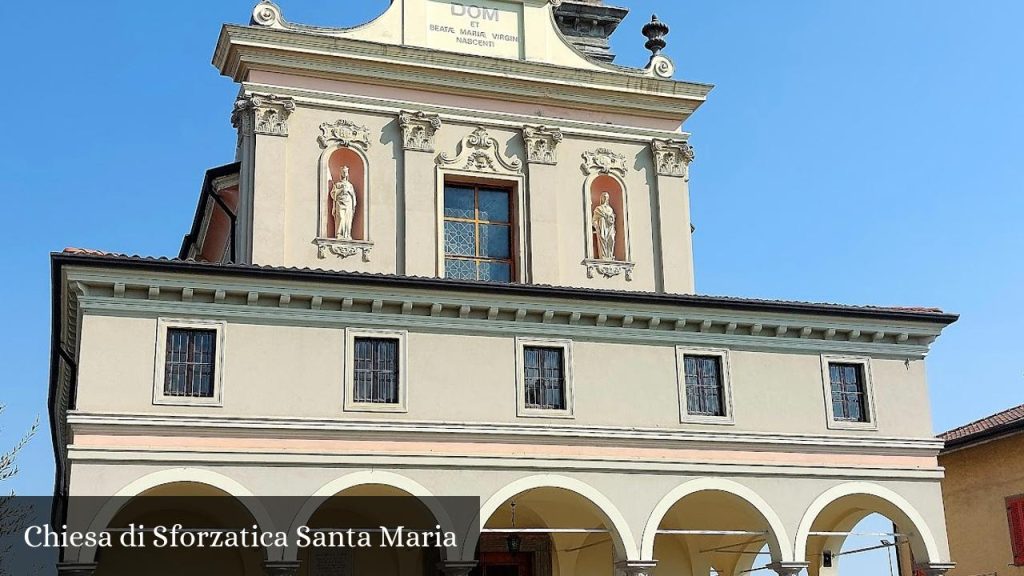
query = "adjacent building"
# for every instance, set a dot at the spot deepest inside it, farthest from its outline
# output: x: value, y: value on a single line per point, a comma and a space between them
x: 452, y: 256
x: 984, y: 494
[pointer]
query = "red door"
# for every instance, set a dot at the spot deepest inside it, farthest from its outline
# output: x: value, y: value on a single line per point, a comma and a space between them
x: 506, y: 564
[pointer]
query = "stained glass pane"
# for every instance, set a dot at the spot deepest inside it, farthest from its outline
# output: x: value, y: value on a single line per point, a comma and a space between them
x: 458, y: 202
x: 494, y: 205
x: 495, y: 241
x: 460, y: 269
x: 496, y: 271
x: 460, y: 238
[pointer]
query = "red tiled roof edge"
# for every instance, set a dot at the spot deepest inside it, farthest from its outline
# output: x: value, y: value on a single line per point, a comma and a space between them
x: 1005, y: 422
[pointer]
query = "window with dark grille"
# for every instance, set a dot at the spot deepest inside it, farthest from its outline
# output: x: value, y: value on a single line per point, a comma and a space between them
x: 478, y: 233
x: 704, y: 391
x: 189, y: 366
x: 849, y: 403
x: 1015, y: 512
x: 376, y: 371
x: 544, y: 378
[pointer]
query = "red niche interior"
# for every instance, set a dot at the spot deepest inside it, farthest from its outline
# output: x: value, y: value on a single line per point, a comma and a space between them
x: 357, y: 176
x: 610, y: 185
x: 218, y: 233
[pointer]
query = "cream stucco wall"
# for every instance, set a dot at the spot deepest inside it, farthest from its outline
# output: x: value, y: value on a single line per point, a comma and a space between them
x: 403, y: 200
x: 298, y: 371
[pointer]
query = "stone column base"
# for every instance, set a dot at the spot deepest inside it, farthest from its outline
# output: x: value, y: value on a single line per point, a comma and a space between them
x: 457, y: 568
x: 936, y: 568
x: 788, y: 568
x: 281, y: 568
x: 76, y: 569
x: 636, y: 567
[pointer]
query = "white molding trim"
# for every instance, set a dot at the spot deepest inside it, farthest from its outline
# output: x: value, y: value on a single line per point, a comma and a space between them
x: 725, y: 372
x: 219, y: 327
x: 138, y: 487
x: 697, y: 325
x: 869, y: 392
x: 567, y: 367
x: 401, y: 336
x: 622, y: 536
x: 359, y: 428
x: 391, y: 107
x: 923, y: 537
x: 372, y: 458
x: 779, y: 542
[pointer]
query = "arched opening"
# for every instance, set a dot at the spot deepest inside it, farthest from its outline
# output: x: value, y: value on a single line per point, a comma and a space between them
x: 367, y: 508
x: 336, y: 161
x: 193, y: 505
x: 850, y: 528
x: 599, y: 186
x: 702, y: 530
x: 556, y: 531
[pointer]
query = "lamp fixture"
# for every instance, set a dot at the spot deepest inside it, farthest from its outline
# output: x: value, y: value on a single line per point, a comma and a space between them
x: 514, y: 542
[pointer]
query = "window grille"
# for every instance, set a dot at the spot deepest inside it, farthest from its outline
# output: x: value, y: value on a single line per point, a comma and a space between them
x: 544, y: 373
x: 704, y: 391
x: 376, y: 371
x: 478, y: 233
x: 849, y: 403
x: 189, y: 366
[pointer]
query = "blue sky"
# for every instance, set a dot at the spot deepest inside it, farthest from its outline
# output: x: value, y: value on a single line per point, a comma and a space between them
x: 862, y: 152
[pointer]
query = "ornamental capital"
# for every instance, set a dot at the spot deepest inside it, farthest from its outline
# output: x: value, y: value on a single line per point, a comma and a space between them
x: 265, y: 114
x: 673, y: 157
x: 542, y: 144
x: 418, y: 130
x: 788, y: 568
x: 480, y: 152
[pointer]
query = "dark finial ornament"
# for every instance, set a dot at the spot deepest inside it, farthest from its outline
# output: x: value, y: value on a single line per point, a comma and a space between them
x: 655, y: 30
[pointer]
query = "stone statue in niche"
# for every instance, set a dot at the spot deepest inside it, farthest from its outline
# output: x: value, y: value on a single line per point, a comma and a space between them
x: 604, y: 228
x: 343, y: 203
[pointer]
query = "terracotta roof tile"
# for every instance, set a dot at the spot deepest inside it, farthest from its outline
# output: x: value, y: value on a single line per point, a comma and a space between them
x: 1006, y: 419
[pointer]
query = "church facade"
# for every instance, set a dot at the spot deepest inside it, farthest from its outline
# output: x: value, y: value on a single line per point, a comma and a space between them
x: 453, y: 258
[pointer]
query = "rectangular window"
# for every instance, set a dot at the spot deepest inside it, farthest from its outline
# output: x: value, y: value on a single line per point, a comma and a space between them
x: 190, y: 364
x: 188, y: 369
x: 849, y: 401
x: 478, y: 233
x: 1015, y: 514
x: 704, y: 390
x: 544, y: 375
x: 375, y: 380
x: 376, y: 370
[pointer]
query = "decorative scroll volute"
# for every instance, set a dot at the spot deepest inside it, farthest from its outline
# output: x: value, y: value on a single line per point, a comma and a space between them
x: 344, y: 133
x: 479, y: 152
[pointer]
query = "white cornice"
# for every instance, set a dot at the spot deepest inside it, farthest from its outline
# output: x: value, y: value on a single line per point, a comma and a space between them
x: 242, y: 49
x: 309, y: 304
x: 452, y: 114
x: 205, y: 425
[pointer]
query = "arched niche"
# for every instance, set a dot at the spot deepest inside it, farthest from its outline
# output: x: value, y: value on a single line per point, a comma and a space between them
x: 607, y: 184
x: 341, y: 158
x: 606, y: 171
x: 344, y: 146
